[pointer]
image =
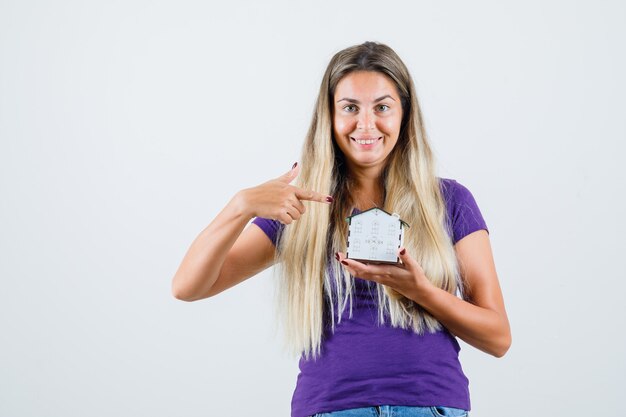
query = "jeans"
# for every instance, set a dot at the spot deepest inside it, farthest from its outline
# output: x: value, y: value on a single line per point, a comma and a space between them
x: 397, y: 411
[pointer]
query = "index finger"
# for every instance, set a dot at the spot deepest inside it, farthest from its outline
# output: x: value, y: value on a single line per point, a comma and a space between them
x: 312, y: 196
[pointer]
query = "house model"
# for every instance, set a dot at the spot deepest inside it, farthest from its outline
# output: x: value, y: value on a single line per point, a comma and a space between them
x: 375, y: 236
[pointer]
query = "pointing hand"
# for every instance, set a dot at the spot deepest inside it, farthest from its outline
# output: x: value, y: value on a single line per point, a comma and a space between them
x: 278, y: 200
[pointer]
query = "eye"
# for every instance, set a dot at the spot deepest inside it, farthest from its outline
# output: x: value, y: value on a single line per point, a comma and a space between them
x: 383, y: 107
x: 350, y: 108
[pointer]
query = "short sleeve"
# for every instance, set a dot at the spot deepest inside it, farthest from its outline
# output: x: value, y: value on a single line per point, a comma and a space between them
x: 464, y: 216
x: 270, y: 227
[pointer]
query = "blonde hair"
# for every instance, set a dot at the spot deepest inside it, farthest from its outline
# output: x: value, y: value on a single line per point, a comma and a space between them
x: 311, y: 283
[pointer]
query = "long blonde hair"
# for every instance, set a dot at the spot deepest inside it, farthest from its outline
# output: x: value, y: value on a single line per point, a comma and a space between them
x: 312, y: 284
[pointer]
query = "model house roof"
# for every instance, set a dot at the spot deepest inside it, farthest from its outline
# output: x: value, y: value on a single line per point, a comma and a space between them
x: 379, y: 209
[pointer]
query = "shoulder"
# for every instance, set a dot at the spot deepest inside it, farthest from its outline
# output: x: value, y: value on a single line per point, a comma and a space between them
x: 463, y: 215
x: 447, y: 186
x: 454, y: 192
x: 452, y: 189
x: 271, y: 228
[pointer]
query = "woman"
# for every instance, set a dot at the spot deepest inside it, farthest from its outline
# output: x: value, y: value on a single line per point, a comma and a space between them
x: 375, y: 339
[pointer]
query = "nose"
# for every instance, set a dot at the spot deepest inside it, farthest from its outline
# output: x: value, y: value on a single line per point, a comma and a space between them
x: 365, y: 121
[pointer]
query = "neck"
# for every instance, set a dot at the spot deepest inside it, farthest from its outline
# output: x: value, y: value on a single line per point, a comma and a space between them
x: 367, y: 190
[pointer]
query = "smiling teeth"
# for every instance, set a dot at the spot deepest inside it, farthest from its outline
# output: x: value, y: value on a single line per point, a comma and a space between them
x: 365, y: 142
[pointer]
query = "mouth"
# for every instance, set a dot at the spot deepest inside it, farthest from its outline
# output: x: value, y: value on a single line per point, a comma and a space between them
x: 366, y: 140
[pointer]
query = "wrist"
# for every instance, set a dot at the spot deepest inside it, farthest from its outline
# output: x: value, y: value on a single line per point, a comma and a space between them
x: 423, y: 291
x: 239, y: 204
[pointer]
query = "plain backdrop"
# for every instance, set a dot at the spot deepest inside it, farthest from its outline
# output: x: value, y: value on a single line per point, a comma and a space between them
x: 125, y: 127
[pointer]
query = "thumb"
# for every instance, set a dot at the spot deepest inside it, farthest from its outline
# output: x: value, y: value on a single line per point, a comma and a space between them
x: 408, y: 261
x: 290, y: 175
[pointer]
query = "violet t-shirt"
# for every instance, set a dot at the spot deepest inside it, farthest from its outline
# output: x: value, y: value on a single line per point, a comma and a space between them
x: 365, y: 364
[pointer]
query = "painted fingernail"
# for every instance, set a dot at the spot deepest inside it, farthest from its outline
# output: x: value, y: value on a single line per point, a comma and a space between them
x: 344, y: 262
x: 403, y: 251
x: 294, y: 165
x: 337, y: 256
x: 329, y: 199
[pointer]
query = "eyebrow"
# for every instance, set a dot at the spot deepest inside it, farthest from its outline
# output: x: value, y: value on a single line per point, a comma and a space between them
x: 351, y: 100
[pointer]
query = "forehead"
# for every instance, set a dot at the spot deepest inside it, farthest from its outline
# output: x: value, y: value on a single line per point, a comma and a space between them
x: 365, y: 86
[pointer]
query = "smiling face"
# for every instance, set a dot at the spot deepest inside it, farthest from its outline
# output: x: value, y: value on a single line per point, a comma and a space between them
x: 366, y: 119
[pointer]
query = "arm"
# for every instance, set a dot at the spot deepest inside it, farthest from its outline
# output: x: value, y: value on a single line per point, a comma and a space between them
x: 222, y: 256
x: 481, y: 321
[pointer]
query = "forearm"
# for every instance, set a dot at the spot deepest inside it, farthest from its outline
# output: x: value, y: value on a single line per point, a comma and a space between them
x: 483, y: 328
x: 203, y: 261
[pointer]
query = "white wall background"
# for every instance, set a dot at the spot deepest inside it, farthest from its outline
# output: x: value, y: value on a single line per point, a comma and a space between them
x: 125, y: 126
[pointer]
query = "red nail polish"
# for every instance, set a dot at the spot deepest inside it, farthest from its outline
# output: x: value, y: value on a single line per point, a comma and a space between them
x: 337, y: 256
x: 344, y: 262
x: 330, y: 199
x: 294, y: 165
x: 403, y: 251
